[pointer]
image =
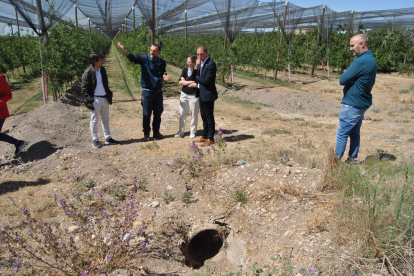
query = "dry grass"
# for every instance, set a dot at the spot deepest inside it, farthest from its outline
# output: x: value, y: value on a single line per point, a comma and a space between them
x: 330, y: 181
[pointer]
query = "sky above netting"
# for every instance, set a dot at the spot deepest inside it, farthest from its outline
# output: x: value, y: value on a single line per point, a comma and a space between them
x: 109, y: 17
x: 357, y: 5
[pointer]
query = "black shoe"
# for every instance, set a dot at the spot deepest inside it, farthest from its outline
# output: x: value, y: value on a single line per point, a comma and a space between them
x: 96, y: 144
x: 110, y: 141
x: 146, y: 136
x: 158, y: 136
x: 19, y: 147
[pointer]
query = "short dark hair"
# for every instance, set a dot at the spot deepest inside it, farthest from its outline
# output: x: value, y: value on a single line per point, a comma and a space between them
x: 94, y: 57
x: 203, y: 47
x: 156, y: 45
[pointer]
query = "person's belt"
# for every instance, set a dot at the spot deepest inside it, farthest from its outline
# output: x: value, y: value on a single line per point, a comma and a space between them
x: 100, y: 96
x: 152, y: 91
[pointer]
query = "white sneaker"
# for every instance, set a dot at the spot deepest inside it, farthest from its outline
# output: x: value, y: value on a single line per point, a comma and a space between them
x: 179, y: 134
x: 192, y: 136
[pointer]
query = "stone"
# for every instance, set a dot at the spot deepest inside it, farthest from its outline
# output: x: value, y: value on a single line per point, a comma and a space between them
x: 120, y: 272
x: 72, y: 228
x: 154, y: 204
x: 286, y: 171
x: 126, y: 237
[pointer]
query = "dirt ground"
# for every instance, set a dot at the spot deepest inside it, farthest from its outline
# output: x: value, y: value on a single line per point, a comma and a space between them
x: 286, y: 214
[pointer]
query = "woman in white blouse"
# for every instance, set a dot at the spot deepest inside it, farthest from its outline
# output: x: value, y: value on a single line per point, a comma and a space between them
x: 189, y: 98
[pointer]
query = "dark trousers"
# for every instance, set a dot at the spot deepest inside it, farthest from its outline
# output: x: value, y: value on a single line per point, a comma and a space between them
x: 207, y: 114
x: 6, y: 138
x: 152, y: 103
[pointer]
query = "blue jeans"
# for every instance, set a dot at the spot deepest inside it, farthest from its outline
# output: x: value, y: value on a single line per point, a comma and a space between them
x: 152, y: 102
x: 350, y: 121
x: 6, y: 138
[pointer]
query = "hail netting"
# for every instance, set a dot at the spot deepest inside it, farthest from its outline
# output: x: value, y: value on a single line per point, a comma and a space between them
x: 175, y: 17
x: 165, y: 12
x: 234, y: 15
x: 327, y: 25
x: 206, y: 16
x: 52, y: 11
x: 203, y: 18
x: 107, y: 15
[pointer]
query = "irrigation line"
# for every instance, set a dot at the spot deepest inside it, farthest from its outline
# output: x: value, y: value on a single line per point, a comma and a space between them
x: 123, y: 74
x: 396, y: 141
x: 15, y: 112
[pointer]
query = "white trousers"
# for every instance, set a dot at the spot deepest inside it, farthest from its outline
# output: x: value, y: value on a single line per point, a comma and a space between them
x: 101, y: 106
x: 189, y: 102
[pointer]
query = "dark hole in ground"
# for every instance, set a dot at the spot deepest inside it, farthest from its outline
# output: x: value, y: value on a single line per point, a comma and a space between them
x: 205, y: 245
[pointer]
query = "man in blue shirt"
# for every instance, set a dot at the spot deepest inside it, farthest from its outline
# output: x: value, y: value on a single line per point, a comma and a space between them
x: 358, y: 80
x: 153, y: 72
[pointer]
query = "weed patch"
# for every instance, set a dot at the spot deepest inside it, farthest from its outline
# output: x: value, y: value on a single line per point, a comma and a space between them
x: 274, y: 132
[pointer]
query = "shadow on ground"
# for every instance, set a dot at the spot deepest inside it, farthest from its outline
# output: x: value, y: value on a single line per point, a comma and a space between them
x: 11, y: 186
x: 236, y: 138
x: 39, y: 150
x: 73, y: 95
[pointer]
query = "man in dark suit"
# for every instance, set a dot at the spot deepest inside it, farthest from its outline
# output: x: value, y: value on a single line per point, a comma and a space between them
x: 206, y: 83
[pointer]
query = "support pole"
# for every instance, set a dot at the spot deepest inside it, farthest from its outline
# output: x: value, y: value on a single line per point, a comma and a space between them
x: 349, y: 29
x: 153, y: 22
x: 185, y: 26
x: 227, y: 22
x: 274, y: 15
x: 133, y: 17
x: 226, y: 29
x: 17, y: 23
x: 318, y: 40
x: 42, y: 22
x: 281, y: 39
x: 235, y: 25
x: 160, y: 33
x: 76, y: 15
x: 89, y: 24
x: 126, y: 26
x: 393, y: 23
x: 20, y: 41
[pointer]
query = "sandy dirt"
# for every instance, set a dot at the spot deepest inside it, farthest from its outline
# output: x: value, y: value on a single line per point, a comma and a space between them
x: 286, y: 213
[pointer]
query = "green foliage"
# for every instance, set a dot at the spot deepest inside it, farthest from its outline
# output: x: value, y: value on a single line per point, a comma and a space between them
x: 15, y: 52
x: 240, y: 196
x: 82, y: 116
x: 142, y: 183
x: 386, y: 189
x: 390, y: 49
x: 136, y: 42
x: 187, y: 196
x: 273, y: 132
x: 102, y: 233
x: 167, y: 197
x: 64, y: 58
x: 89, y: 184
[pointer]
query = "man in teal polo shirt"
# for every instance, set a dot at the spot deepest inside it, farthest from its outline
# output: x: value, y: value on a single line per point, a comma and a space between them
x: 358, y: 80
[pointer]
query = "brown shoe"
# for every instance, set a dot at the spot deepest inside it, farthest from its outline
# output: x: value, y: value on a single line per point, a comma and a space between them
x: 207, y: 143
x: 200, y: 140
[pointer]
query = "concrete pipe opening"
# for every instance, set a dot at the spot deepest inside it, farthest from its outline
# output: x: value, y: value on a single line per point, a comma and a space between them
x: 202, y: 246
